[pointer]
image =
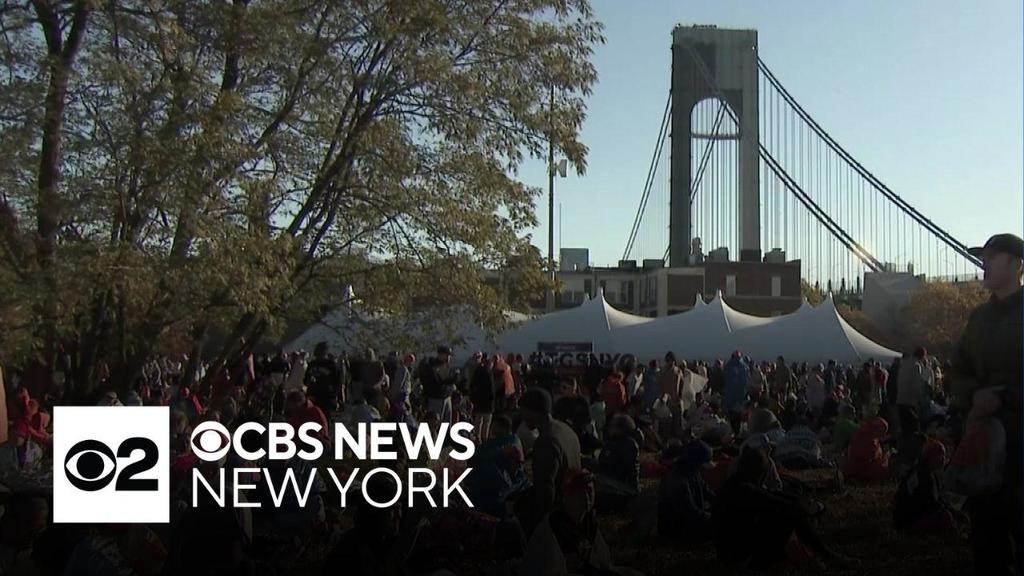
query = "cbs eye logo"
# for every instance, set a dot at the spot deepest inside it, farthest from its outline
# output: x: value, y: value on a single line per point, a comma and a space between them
x: 91, y: 465
x: 210, y: 441
x: 111, y: 464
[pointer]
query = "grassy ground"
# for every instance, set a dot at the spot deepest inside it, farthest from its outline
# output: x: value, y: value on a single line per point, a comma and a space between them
x: 858, y: 524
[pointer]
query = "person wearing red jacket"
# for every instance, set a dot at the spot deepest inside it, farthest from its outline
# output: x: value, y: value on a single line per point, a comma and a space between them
x: 865, y: 459
x: 613, y: 393
x: 300, y: 410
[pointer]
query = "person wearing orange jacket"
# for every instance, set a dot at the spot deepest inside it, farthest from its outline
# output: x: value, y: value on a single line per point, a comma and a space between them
x: 504, y: 383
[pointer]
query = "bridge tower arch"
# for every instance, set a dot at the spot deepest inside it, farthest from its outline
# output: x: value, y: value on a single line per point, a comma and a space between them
x: 710, y: 62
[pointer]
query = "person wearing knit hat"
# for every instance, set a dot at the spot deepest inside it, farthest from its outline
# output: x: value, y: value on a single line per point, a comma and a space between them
x: 556, y: 453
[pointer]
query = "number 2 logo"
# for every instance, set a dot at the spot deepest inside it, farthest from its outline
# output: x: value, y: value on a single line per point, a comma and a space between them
x: 91, y: 465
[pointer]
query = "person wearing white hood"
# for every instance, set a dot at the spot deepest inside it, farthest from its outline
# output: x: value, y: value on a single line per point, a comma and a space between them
x: 297, y: 375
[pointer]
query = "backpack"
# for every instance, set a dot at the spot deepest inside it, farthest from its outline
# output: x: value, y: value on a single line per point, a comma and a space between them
x: 977, y: 465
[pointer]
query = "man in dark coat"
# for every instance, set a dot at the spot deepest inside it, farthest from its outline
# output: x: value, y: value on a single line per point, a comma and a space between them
x: 986, y: 379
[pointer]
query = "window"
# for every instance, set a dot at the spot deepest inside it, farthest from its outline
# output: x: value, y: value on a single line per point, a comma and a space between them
x: 627, y: 294
x: 776, y: 286
x: 730, y: 285
x: 588, y: 286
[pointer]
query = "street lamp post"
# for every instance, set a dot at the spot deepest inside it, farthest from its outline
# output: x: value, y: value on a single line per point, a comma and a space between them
x: 552, y: 171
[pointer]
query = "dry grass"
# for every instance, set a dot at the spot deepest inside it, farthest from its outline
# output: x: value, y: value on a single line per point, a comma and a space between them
x: 858, y: 524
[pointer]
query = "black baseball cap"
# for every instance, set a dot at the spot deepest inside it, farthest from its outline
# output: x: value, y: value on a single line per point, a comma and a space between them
x: 1007, y: 243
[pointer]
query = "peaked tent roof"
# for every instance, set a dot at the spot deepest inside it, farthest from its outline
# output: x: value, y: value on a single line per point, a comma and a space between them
x: 345, y: 331
x: 591, y: 321
x: 739, y: 320
x: 811, y: 335
x: 703, y: 332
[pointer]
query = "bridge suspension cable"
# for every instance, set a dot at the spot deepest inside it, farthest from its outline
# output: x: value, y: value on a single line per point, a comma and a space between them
x: 862, y: 171
x: 651, y: 171
x: 818, y: 203
x: 837, y: 231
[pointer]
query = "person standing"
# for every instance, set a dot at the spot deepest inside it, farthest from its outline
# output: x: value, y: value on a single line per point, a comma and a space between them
x: 323, y: 380
x: 670, y: 387
x: 863, y: 390
x: 734, y: 394
x: 913, y: 381
x: 815, y: 390
x: 481, y: 394
x: 782, y: 378
x: 440, y: 385
x: 613, y: 393
x: 986, y: 379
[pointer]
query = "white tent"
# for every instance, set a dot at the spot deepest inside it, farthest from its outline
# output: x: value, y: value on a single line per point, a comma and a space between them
x: 345, y: 330
x: 703, y: 332
x: 340, y: 328
x: 591, y: 322
x: 811, y: 335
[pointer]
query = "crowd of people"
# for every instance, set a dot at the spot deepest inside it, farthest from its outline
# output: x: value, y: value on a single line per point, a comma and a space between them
x: 557, y: 447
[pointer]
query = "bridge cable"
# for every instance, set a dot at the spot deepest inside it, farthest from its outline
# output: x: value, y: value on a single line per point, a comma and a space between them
x: 872, y: 179
x: 662, y: 132
x: 802, y: 196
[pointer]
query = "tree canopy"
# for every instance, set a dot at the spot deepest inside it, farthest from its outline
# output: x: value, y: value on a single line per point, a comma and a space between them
x: 184, y: 165
x: 937, y: 314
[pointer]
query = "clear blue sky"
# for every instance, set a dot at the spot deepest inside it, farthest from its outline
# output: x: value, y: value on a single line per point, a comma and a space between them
x: 927, y: 94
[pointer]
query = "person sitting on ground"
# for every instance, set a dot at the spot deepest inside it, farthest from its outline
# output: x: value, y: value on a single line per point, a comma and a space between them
x: 569, y: 406
x: 919, y: 505
x: 568, y: 540
x: 762, y: 443
x: 684, y: 499
x: 800, y: 449
x: 753, y: 526
x: 845, y: 427
x: 865, y: 459
x: 371, y: 547
x: 497, y: 469
x: 619, y: 464
x: 23, y: 521
x: 764, y: 421
x: 30, y: 424
x: 556, y: 452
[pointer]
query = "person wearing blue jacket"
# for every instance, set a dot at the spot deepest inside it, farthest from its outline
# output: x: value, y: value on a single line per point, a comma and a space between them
x: 734, y: 395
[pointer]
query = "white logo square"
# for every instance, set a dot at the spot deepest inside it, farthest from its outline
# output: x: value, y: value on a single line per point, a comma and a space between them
x: 111, y: 464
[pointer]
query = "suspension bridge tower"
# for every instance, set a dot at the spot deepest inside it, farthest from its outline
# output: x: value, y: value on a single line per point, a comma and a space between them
x: 714, y: 63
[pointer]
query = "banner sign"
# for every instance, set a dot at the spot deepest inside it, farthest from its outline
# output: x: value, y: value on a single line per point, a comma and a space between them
x: 558, y: 348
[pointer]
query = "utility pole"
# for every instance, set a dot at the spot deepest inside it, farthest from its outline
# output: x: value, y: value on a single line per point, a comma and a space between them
x: 550, y: 300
